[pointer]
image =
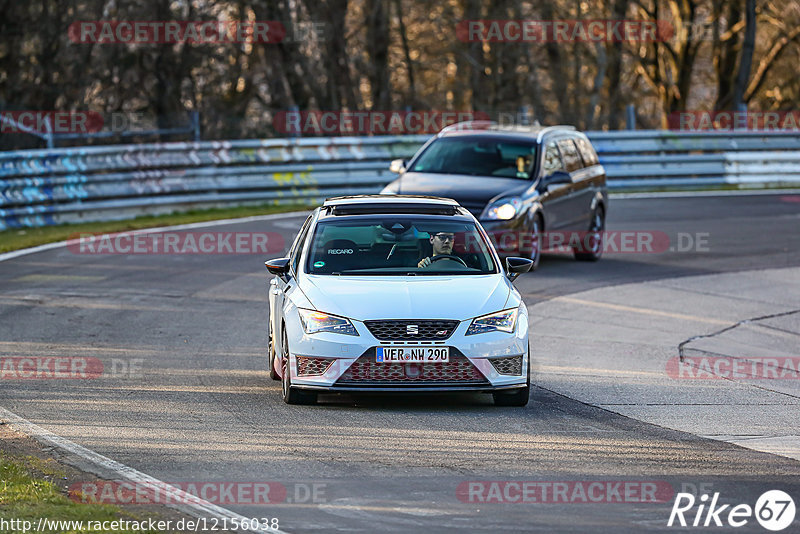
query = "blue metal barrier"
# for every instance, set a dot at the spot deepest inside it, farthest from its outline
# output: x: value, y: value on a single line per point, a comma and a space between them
x: 54, y: 186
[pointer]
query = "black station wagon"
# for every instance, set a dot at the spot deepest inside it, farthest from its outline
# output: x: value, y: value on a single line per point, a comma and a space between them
x: 530, y: 187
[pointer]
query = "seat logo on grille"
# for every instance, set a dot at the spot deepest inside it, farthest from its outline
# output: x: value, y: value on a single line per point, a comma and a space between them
x: 412, y: 329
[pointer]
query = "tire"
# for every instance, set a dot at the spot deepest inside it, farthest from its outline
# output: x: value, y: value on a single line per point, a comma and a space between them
x: 535, y: 253
x: 292, y: 395
x: 597, y: 226
x: 516, y: 397
x: 271, y: 356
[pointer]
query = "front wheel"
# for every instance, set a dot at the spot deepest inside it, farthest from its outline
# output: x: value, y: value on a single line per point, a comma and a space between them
x: 292, y: 395
x: 271, y: 356
x: 535, y: 253
x: 591, y: 248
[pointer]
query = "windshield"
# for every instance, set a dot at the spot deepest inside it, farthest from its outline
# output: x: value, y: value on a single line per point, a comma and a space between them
x: 399, y: 246
x: 478, y: 156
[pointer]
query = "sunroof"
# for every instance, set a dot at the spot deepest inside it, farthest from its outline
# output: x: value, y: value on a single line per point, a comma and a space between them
x: 394, y: 207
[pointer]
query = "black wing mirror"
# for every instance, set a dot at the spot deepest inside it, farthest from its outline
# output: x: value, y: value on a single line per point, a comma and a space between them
x: 558, y: 177
x: 278, y: 266
x: 517, y: 266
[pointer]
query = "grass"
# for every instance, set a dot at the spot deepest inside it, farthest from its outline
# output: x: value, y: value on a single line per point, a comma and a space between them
x: 28, y: 497
x: 18, y: 238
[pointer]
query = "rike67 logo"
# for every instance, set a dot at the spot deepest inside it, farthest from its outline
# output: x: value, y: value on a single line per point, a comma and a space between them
x: 774, y: 510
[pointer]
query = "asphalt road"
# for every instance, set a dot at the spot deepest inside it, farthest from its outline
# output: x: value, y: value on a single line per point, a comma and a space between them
x: 202, y: 408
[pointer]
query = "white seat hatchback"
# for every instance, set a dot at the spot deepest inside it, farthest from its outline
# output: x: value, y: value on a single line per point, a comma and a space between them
x: 397, y: 294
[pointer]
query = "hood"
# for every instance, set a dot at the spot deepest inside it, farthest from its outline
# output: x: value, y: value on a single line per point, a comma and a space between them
x: 407, y: 297
x: 469, y: 191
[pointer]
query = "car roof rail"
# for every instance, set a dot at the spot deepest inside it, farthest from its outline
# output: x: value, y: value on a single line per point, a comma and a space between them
x: 556, y: 127
x: 470, y: 125
x: 534, y: 128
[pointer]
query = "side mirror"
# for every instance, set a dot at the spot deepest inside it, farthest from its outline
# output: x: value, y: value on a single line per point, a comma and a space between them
x: 278, y: 266
x: 517, y: 266
x: 398, y: 166
x: 557, y: 178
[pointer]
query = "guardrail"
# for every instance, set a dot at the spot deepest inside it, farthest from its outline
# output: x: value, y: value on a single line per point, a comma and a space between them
x: 45, y: 187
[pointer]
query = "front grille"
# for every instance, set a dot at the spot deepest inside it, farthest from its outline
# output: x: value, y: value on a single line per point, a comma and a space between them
x: 508, y: 366
x: 365, y: 370
x: 307, y: 366
x: 398, y: 330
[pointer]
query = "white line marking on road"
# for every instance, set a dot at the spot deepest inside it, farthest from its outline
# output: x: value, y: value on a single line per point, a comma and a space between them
x: 191, y: 504
x: 201, y: 508
x: 205, y: 224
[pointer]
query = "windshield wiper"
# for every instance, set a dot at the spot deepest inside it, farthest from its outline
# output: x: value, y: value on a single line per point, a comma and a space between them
x: 368, y: 272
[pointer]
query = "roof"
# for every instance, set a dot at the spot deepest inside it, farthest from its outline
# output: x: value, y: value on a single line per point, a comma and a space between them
x: 383, y: 204
x: 536, y: 131
x: 388, y: 199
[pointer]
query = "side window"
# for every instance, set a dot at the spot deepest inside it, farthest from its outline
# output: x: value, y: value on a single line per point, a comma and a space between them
x: 572, y: 161
x: 552, y: 159
x: 297, y: 246
x: 587, y: 152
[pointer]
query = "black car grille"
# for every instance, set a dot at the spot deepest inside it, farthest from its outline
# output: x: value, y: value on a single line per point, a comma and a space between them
x: 308, y: 366
x: 398, y: 330
x: 511, y: 365
x: 366, y: 371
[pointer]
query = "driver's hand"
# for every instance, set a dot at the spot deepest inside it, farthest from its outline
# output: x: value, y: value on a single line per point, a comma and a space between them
x: 424, y: 262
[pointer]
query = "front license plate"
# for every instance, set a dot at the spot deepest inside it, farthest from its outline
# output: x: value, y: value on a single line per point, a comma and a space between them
x: 412, y: 354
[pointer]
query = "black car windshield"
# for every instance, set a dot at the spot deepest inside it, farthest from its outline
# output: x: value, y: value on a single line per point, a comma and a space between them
x: 478, y: 156
x: 394, y: 245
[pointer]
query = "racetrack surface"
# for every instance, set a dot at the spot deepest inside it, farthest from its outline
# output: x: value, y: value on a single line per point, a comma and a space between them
x: 204, y: 409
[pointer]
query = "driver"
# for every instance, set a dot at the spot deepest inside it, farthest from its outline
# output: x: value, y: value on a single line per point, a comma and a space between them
x: 442, y: 243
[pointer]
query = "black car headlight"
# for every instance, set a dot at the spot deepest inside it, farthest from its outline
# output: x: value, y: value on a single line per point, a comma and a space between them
x: 502, y: 321
x: 504, y: 209
x: 316, y: 321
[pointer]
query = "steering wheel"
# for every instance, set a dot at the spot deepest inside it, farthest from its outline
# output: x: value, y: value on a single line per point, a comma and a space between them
x: 448, y: 257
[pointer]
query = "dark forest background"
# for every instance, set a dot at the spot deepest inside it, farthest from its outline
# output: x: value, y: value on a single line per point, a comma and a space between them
x: 400, y: 54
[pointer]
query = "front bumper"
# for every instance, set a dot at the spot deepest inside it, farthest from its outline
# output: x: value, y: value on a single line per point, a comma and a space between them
x: 409, y: 389
x: 333, y: 358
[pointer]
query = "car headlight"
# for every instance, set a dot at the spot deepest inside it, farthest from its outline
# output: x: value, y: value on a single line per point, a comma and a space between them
x: 504, y: 209
x: 314, y: 321
x: 502, y: 321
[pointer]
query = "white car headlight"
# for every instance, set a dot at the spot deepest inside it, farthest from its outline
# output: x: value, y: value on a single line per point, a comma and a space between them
x: 504, y: 209
x: 315, y: 321
x: 502, y: 321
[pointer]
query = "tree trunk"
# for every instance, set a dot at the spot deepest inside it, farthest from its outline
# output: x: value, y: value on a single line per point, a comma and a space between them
x: 377, y: 21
